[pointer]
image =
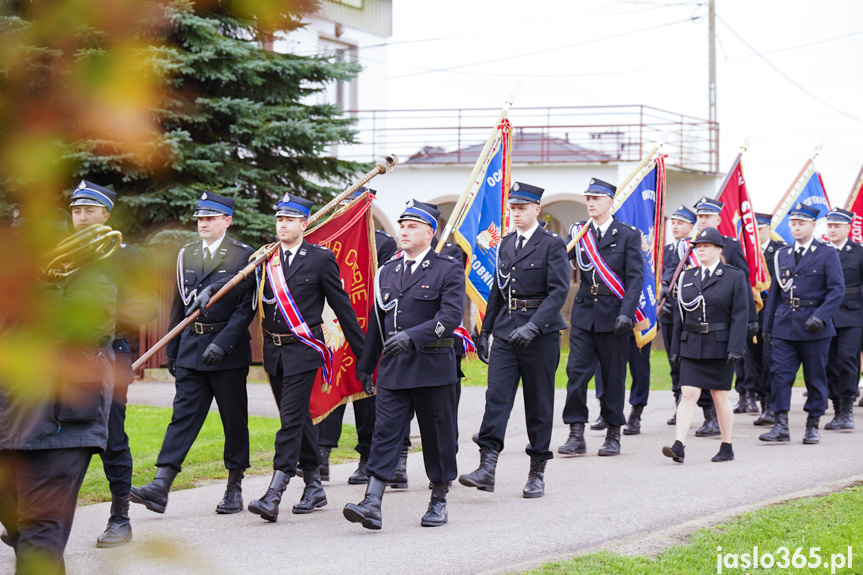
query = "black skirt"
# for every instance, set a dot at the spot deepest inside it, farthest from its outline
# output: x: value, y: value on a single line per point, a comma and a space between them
x: 706, y: 373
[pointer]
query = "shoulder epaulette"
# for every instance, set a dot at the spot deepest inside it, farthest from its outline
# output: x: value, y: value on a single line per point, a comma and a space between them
x: 190, y: 244
x: 319, y: 247
x: 387, y: 234
x: 240, y: 244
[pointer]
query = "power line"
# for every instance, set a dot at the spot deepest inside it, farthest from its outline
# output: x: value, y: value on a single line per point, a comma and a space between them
x: 786, y: 76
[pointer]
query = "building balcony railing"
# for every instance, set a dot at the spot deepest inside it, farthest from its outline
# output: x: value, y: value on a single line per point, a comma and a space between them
x: 558, y: 135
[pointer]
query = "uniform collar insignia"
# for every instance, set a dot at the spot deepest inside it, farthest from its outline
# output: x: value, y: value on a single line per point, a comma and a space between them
x: 303, y: 252
x: 719, y: 272
x: 425, y: 264
x: 697, y: 272
x: 614, y: 231
x: 847, y: 248
x: 813, y: 247
x: 398, y: 268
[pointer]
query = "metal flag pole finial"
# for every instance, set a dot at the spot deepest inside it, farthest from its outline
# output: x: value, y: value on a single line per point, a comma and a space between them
x: 817, y: 151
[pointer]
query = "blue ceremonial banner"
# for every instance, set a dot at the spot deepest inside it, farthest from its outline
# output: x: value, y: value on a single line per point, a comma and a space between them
x: 643, y: 208
x: 809, y: 191
x: 479, y: 230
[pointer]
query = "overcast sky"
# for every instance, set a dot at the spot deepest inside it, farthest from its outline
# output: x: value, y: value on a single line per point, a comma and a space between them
x: 654, y: 52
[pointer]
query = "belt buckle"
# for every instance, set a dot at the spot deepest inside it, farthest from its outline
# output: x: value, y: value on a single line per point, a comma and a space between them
x: 795, y: 302
x: 594, y: 289
x: 277, y: 340
x: 199, y: 328
x: 703, y: 327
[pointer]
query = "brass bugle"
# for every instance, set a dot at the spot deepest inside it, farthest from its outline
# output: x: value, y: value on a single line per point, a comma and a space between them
x: 87, y: 245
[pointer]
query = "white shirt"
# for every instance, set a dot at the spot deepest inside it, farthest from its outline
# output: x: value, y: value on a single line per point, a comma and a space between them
x: 293, y: 251
x: 214, y: 246
x: 526, y: 235
x: 604, y: 227
x: 840, y: 247
x: 798, y: 245
x: 710, y: 269
x: 417, y: 259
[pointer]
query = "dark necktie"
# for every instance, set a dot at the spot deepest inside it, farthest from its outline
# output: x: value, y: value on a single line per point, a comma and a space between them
x: 706, y: 274
x: 286, y: 260
x: 798, y: 254
x: 598, y: 235
x: 407, y: 273
x: 519, y: 245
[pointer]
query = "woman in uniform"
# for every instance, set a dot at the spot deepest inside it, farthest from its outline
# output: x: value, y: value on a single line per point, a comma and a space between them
x: 709, y: 337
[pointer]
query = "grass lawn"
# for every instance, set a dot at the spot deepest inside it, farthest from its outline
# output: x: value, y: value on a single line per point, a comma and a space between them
x: 476, y: 373
x: 831, y: 523
x: 146, y: 429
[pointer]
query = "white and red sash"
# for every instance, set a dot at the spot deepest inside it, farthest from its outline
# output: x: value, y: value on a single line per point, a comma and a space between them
x: 606, y: 274
x: 693, y: 260
x: 292, y: 315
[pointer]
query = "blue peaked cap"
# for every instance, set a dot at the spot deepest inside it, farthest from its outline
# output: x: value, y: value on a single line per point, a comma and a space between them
x: 685, y: 214
x: 90, y: 194
x: 212, y: 204
x: 420, y: 212
x: 803, y: 212
x: 294, y: 207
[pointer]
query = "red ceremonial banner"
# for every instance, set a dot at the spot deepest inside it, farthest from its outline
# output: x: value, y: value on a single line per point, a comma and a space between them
x: 855, y: 205
x: 349, y: 233
x: 738, y: 220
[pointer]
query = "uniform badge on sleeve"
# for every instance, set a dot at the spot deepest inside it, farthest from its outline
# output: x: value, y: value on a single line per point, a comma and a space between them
x: 439, y: 329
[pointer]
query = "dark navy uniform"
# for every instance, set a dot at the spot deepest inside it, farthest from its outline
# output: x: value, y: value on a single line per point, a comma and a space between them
x: 762, y: 356
x: 594, y: 316
x: 799, y: 316
x: 666, y: 322
x: 843, y: 366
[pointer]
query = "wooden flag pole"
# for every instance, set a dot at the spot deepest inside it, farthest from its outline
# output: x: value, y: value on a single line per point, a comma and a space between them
x: 620, y: 193
x: 261, y: 256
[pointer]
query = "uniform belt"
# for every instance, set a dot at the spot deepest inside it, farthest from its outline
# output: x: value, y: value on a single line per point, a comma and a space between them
x: 525, y: 304
x: 705, y: 327
x: 598, y: 289
x: 797, y: 302
x: 443, y: 342
x: 852, y: 290
x: 280, y: 339
x: 202, y: 328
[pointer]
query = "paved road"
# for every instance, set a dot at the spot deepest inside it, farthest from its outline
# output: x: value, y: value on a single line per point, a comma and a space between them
x: 589, y: 501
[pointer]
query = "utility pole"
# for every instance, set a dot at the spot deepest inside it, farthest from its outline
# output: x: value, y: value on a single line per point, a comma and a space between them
x: 714, y: 121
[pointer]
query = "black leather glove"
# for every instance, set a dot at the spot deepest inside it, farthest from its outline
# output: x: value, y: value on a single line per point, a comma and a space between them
x: 623, y: 324
x: 768, y: 337
x: 665, y: 314
x: 213, y: 355
x: 172, y: 366
x: 521, y: 337
x: 674, y: 360
x: 398, y: 342
x: 814, y: 324
x: 201, y: 301
x: 751, y: 329
x: 733, y: 357
x: 482, y: 347
x: 368, y: 382
x: 664, y: 292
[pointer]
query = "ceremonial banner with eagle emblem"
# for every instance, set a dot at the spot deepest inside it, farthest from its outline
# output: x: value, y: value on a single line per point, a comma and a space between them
x: 479, y: 230
x: 350, y: 234
x: 643, y: 209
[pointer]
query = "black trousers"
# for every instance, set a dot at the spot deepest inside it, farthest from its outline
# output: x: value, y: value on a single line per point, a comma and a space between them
x: 612, y: 352
x: 639, y: 374
x: 436, y: 411
x: 195, y: 392
x: 788, y: 355
x: 665, y: 329
x: 297, y: 439
x: 747, y: 369
x: 534, y: 367
x: 843, y: 365
x: 38, y: 495
x: 117, y: 457
x: 330, y: 429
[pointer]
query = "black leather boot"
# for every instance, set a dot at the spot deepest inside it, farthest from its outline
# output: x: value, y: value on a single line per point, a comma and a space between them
x: 268, y: 505
x: 847, y: 407
x: 834, y: 423
x: 7, y: 539
x: 359, y: 476
x: 811, y: 435
x: 675, y: 452
x: 575, y: 442
x: 633, y: 424
x: 324, y: 469
x: 779, y: 433
x: 313, y: 494
x: 119, y: 529
x: 368, y: 511
x: 599, y: 424
x: 706, y: 429
x: 436, y: 515
x: 673, y: 419
x: 483, y: 477
x: 232, y: 502
x: 741, y: 403
x: 725, y: 453
x: 154, y: 495
x: 749, y: 402
x: 535, y: 486
x: 612, y: 442
x: 767, y: 417
x: 400, y: 479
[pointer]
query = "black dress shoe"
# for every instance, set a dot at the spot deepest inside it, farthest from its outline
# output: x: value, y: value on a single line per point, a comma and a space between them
x: 725, y: 453
x: 675, y: 452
